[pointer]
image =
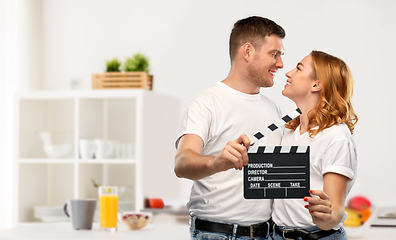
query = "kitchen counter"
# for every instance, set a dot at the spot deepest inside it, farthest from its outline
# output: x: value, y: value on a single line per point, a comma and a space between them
x: 374, y: 233
x: 162, y: 226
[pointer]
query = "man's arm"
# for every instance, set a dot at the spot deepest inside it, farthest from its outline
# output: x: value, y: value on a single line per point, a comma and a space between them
x: 191, y: 164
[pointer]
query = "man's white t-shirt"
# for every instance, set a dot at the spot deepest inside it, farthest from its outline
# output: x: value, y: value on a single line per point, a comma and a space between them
x: 220, y: 114
x: 331, y: 150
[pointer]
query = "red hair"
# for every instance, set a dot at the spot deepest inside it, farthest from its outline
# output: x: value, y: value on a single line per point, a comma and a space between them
x: 335, y: 102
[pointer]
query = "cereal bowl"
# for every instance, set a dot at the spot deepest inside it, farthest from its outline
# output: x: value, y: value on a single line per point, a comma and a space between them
x: 135, y: 220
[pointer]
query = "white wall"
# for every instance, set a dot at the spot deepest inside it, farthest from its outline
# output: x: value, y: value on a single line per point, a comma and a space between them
x: 187, y: 43
x: 3, y: 155
x: 20, y: 67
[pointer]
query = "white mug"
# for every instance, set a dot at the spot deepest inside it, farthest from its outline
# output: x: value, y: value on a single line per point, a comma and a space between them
x: 104, y: 149
x: 116, y: 149
x: 127, y: 150
x: 87, y: 148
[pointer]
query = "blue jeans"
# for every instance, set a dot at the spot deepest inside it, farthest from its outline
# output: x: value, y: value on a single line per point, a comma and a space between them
x: 199, y: 235
x: 339, y: 235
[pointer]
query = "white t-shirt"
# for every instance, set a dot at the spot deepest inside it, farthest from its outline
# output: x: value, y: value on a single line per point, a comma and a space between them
x: 332, y: 150
x: 220, y: 114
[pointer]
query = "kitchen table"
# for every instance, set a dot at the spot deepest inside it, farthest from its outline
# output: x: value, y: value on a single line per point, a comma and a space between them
x: 162, y: 227
x: 375, y: 233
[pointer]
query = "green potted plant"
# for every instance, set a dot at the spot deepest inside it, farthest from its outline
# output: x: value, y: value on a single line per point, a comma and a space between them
x: 135, y: 74
x: 113, y: 65
x: 137, y: 63
x: 138, y: 67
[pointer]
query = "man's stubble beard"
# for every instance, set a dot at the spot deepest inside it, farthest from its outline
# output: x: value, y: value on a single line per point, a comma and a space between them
x: 256, y: 77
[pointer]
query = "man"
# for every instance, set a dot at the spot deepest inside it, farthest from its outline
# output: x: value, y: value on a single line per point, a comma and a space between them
x: 226, y: 111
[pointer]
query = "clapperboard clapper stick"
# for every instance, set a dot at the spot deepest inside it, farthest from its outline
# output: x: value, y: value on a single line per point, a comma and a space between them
x: 282, y: 121
x: 276, y: 171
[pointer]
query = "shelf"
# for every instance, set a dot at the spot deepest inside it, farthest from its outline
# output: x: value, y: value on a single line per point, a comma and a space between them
x: 108, y: 161
x: 99, y: 94
x: 72, y: 161
x: 128, y: 119
x: 45, y: 160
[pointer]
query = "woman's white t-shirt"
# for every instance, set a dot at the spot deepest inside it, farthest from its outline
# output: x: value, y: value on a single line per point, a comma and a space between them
x: 331, y: 150
x: 220, y: 114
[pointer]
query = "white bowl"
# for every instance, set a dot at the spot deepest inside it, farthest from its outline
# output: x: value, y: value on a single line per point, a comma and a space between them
x: 50, y: 213
x: 56, y: 144
x: 135, y: 220
x: 57, y: 151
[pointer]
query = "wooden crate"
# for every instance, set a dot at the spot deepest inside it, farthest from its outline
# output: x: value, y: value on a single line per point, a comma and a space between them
x: 114, y: 80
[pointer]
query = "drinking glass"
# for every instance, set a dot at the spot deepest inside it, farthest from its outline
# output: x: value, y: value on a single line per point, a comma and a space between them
x: 108, y: 208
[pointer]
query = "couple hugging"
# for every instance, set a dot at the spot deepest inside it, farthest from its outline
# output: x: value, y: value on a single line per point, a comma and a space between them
x: 212, y: 141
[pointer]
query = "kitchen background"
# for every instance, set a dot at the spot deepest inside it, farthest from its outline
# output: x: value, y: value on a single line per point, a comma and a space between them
x: 47, y: 43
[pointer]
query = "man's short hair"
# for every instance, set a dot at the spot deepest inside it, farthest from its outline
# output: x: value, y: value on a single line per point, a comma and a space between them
x: 253, y: 30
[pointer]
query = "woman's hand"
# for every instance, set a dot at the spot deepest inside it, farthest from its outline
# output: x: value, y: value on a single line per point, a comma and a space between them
x: 327, y: 207
x: 319, y: 207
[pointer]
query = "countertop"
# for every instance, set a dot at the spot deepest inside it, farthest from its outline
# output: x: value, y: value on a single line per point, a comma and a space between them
x: 373, y: 233
x: 163, y: 226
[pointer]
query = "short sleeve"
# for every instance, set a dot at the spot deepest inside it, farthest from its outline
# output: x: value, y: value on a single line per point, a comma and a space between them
x: 195, y: 119
x: 340, y: 157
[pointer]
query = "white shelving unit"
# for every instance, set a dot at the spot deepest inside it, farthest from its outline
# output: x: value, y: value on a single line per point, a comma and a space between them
x: 128, y: 116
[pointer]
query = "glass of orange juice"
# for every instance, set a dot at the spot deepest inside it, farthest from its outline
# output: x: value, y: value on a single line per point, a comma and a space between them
x: 108, y: 208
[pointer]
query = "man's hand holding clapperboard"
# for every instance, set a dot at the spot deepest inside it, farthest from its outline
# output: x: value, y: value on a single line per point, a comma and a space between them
x: 276, y: 171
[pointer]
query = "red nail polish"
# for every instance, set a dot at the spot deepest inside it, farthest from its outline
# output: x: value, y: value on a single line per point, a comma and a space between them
x: 305, y: 199
x: 310, y: 191
x: 306, y: 206
x: 311, y: 211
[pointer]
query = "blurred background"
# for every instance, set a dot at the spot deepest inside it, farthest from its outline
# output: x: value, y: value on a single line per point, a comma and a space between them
x: 47, y: 44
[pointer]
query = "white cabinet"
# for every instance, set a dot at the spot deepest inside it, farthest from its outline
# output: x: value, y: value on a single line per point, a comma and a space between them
x: 134, y: 117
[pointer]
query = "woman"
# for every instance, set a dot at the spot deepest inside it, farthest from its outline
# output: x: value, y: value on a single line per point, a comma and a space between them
x: 321, y: 85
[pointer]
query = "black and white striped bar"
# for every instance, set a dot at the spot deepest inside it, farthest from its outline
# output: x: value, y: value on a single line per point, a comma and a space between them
x: 278, y: 149
x: 279, y: 123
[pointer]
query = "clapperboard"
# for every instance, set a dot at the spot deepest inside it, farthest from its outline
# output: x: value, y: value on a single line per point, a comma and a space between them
x: 276, y: 171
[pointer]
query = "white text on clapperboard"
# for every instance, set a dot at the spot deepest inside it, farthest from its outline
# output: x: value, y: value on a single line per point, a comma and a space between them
x: 258, y: 170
